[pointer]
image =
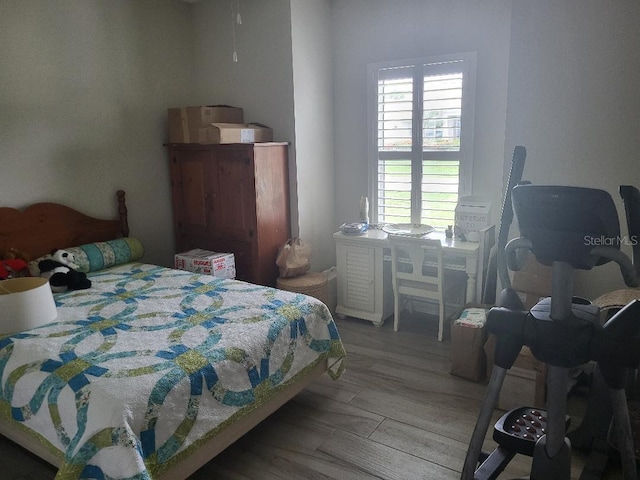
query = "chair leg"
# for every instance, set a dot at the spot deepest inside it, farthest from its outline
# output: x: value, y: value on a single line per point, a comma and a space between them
x: 441, y: 320
x: 396, y: 311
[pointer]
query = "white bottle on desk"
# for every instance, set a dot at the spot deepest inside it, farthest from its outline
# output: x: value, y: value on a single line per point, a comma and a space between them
x: 364, y: 210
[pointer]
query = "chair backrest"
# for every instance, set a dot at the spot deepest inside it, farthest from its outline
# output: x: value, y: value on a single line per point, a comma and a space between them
x: 631, y: 198
x: 417, y: 260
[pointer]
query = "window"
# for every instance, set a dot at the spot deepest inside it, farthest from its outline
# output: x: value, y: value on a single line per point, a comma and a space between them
x: 421, y: 138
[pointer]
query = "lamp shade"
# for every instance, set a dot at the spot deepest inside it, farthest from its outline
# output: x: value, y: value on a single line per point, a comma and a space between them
x: 25, y: 302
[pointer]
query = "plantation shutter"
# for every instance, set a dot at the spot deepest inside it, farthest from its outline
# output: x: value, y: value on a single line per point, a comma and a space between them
x: 395, y: 144
x: 418, y: 142
x: 441, y: 113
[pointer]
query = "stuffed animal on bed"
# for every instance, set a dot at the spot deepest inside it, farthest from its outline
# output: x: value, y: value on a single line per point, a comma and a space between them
x: 60, y: 269
x: 13, y: 263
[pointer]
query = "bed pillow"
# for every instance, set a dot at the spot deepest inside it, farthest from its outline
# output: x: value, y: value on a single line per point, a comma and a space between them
x: 100, y: 255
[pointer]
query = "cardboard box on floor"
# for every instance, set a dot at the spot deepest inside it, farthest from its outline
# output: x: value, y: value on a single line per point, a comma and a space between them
x: 468, y: 358
x: 185, y: 122
x: 525, y: 384
x: 198, y: 260
x: 532, y: 282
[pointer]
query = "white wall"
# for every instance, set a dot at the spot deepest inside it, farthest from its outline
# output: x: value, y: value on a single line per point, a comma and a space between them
x: 368, y: 31
x: 261, y: 81
x: 282, y: 78
x: 84, y: 87
x: 312, y: 75
x: 573, y: 101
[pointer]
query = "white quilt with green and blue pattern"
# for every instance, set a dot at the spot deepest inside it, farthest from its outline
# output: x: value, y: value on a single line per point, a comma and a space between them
x: 142, y: 368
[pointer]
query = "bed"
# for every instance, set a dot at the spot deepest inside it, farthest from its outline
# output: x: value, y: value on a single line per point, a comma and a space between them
x: 151, y: 372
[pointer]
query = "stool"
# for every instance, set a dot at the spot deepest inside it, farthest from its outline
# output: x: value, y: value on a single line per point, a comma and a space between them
x: 313, y: 284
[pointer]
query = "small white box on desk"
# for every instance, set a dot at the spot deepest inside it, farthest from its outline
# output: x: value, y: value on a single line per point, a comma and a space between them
x: 472, y: 214
x: 221, y: 265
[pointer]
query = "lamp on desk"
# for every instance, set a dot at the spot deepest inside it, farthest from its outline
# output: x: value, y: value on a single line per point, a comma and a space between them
x: 25, y: 303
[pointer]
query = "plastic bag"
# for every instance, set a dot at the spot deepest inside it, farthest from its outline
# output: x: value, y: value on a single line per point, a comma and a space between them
x: 294, y: 258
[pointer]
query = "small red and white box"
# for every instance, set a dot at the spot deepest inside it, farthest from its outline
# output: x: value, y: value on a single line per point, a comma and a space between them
x: 220, y: 265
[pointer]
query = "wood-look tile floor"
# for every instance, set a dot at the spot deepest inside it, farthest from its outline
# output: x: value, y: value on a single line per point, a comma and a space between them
x: 396, y: 413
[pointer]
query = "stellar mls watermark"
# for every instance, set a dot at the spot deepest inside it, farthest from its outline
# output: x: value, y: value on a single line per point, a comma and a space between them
x: 603, y: 241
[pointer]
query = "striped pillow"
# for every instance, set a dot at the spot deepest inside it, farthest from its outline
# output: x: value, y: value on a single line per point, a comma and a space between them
x: 100, y: 255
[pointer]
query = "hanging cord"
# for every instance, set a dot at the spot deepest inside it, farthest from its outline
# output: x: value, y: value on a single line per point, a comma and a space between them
x: 235, y: 19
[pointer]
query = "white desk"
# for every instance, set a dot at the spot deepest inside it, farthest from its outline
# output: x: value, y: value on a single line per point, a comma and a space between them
x: 364, y: 277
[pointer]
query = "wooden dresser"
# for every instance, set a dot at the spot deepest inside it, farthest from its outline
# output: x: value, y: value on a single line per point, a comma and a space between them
x: 233, y: 198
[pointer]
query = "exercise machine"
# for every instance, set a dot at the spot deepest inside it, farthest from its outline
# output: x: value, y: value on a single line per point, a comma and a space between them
x: 566, y: 228
x: 497, y: 266
x: 594, y: 433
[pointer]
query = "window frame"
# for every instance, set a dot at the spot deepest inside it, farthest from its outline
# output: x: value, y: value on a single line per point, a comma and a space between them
x: 468, y: 60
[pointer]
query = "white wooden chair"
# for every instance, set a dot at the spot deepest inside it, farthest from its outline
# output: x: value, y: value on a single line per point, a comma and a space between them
x: 412, y: 278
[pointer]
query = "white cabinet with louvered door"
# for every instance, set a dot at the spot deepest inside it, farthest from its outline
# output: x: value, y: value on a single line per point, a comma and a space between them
x: 361, y: 279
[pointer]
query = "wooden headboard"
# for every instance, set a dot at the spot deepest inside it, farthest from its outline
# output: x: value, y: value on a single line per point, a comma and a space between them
x: 42, y: 227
